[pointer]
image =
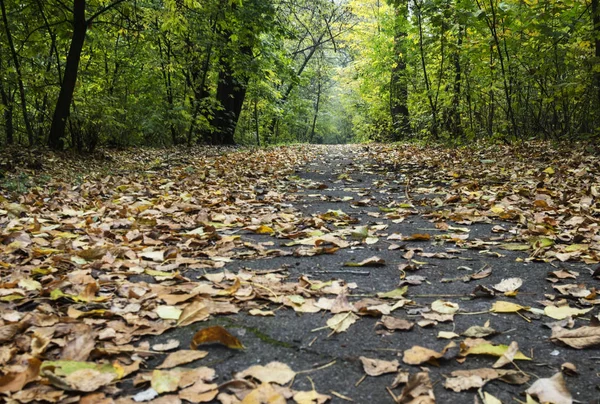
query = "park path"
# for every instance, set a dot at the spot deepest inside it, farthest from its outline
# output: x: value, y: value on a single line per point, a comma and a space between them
x: 357, y: 268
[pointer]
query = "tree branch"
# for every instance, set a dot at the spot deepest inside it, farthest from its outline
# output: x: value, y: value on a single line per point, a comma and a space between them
x: 103, y: 10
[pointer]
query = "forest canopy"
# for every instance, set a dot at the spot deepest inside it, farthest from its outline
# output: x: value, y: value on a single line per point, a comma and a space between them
x: 82, y: 73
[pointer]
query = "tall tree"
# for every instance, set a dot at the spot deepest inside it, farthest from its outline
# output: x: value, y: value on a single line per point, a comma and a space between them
x: 399, y: 79
x: 63, y: 104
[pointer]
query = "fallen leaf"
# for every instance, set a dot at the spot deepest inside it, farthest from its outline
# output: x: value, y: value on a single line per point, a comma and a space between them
x: 181, y: 357
x: 393, y: 294
x: 461, y: 380
x: 447, y: 335
x: 393, y: 323
x: 487, y: 348
x: 165, y: 381
x: 168, y: 312
x: 376, y: 367
x: 508, y: 356
x: 342, y: 321
x: 418, y: 237
x: 192, y: 313
x: 15, y: 381
x: 80, y: 376
x: 215, y: 335
x: 579, y: 338
x: 310, y: 397
x: 418, y: 390
x: 507, y: 307
x: 508, y: 285
x: 562, y: 312
x: 418, y: 355
x: 552, y: 390
x: 490, y: 399
x: 479, y: 332
x: 168, y: 346
x: 444, y: 307
x: 274, y: 372
x: 264, y: 394
x: 369, y: 262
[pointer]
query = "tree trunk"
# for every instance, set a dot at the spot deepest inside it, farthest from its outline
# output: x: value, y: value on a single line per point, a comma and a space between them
x: 456, y: 124
x: 432, y: 104
x: 17, y: 64
x: 9, y: 129
x: 398, y: 81
x: 256, y: 122
x: 231, y: 92
x: 63, y: 104
x: 596, y: 31
x: 317, y: 105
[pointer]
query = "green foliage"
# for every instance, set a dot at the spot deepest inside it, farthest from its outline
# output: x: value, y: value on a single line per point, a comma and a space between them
x: 161, y: 72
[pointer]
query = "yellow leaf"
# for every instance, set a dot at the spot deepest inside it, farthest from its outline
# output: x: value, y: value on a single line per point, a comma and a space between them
x: 492, y: 350
x: 560, y: 313
x: 507, y: 307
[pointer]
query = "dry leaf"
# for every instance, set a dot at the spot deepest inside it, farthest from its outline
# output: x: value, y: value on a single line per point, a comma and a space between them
x: 508, y: 356
x: 369, y: 262
x: 15, y: 381
x: 507, y: 307
x: 376, y: 367
x: 393, y: 323
x: 553, y: 390
x: 418, y: 355
x: 579, y: 338
x: 461, y: 380
x: 274, y: 372
x: 562, y: 312
x: 444, y: 307
x: 264, y: 394
x: 418, y: 390
x: 310, y: 397
x: 181, y: 357
x: 508, y: 285
x: 193, y: 312
x: 215, y: 335
x: 341, y: 322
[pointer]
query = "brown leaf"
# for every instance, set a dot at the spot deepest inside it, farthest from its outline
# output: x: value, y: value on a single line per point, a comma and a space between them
x: 215, y: 335
x: 579, y: 338
x: 193, y: 312
x: 461, y: 380
x: 552, y: 390
x: 181, y: 357
x: 7, y: 332
x: 264, y: 394
x: 508, y: 356
x: 418, y: 390
x: 393, y: 323
x: 274, y: 372
x: 199, y: 392
x: 15, y: 381
x: 418, y: 355
x: 80, y: 347
x: 376, y: 367
x: 418, y: 237
x: 369, y: 262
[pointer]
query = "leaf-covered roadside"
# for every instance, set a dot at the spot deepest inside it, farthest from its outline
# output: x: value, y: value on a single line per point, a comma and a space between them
x: 92, y: 269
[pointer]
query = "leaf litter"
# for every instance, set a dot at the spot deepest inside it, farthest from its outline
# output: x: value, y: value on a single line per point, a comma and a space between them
x: 91, y: 269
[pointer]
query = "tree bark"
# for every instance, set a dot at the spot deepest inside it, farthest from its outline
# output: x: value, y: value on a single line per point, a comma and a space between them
x: 17, y: 64
x: 317, y: 105
x: 231, y: 92
x: 596, y: 31
x: 398, y: 82
x: 67, y: 88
